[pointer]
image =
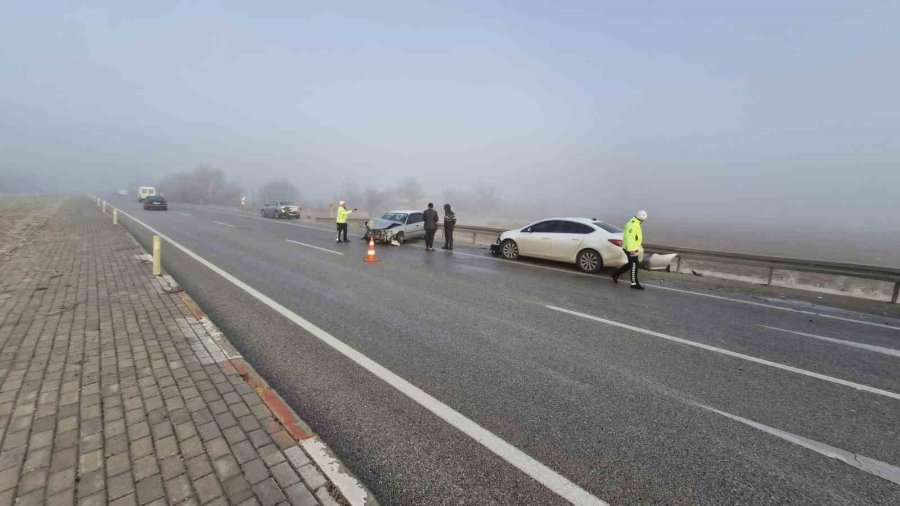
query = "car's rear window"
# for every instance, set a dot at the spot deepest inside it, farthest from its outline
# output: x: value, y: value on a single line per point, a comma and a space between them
x: 609, y: 228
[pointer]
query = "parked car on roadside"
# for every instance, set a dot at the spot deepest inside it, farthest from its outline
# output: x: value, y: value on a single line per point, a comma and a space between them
x: 588, y: 243
x: 280, y: 209
x: 156, y: 202
x: 397, y: 226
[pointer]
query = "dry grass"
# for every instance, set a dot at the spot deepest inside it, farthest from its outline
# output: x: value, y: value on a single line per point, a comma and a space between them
x: 22, y: 216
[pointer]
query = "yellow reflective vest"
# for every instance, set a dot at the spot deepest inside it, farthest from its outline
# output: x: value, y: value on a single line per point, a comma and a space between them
x: 342, y: 214
x: 633, y: 235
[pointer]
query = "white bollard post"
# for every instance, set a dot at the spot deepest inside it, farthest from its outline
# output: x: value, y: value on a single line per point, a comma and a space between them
x: 157, y: 260
x: 104, y: 207
x: 115, y: 216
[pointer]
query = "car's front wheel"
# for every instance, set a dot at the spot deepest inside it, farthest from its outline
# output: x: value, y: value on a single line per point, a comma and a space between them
x: 509, y: 249
x: 589, y: 261
x: 400, y: 237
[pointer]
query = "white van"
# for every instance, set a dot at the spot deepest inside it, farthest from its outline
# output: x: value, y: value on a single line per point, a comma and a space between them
x: 145, y: 191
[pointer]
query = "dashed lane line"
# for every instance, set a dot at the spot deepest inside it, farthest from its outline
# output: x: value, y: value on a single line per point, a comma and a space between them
x: 315, y: 247
x: 776, y: 365
x: 876, y: 467
x: 869, y: 347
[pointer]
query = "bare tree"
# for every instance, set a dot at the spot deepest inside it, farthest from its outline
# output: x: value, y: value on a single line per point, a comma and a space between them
x: 375, y: 201
x: 410, y: 190
x: 203, y: 185
x: 278, y: 189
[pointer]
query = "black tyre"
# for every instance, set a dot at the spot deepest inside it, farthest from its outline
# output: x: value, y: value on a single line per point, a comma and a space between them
x: 589, y: 261
x: 400, y: 237
x: 263, y: 213
x: 509, y: 249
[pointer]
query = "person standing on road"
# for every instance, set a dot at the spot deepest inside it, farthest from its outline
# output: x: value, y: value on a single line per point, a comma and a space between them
x: 449, y: 224
x: 341, y: 220
x: 431, y: 225
x: 632, y: 239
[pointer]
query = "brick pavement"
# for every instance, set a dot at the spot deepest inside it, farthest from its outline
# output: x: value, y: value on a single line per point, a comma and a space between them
x: 112, y: 391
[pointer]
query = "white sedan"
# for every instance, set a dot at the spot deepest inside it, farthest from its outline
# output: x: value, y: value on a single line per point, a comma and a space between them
x: 588, y: 243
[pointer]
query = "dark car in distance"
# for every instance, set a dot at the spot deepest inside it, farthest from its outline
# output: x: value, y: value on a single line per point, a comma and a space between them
x: 281, y: 209
x: 156, y: 202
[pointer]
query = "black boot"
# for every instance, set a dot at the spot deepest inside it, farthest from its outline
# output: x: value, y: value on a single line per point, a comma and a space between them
x: 637, y: 287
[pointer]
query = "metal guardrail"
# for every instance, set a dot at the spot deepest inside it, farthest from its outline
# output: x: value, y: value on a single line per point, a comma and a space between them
x: 772, y: 263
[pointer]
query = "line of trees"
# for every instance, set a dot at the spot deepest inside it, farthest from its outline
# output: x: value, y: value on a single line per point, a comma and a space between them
x: 202, y: 185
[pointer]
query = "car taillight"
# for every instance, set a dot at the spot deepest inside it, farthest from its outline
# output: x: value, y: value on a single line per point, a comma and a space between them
x: 617, y: 242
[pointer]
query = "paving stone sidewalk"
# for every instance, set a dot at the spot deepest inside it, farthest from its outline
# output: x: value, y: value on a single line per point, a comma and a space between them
x: 111, y: 390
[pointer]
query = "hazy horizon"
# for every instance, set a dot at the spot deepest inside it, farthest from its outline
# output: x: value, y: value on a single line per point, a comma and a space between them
x: 766, y: 114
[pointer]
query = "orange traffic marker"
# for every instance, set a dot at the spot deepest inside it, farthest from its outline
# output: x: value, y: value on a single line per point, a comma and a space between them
x: 371, y: 258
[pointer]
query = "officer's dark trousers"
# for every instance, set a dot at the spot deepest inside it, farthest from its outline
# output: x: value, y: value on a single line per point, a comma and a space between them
x: 341, y: 227
x: 632, y: 265
x: 429, y: 237
x: 448, y: 236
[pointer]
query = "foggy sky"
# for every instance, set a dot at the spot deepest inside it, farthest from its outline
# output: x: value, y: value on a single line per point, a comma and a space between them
x: 765, y: 112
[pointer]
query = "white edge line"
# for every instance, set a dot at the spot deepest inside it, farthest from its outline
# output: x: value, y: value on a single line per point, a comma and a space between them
x: 223, y: 223
x: 878, y: 468
x: 869, y: 347
x: 351, y: 489
x: 804, y: 372
x: 315, y: 247
x: 519, y: 459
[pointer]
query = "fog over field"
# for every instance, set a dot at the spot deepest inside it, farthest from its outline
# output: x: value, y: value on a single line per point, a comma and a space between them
x: 767, y: 127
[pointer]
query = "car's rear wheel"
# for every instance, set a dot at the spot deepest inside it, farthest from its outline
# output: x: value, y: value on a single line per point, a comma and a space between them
x: 589, y: 261
x: 509, y: 249
x: 400, y: 237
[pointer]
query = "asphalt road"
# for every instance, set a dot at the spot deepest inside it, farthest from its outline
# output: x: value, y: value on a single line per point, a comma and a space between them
x: 586, y: 377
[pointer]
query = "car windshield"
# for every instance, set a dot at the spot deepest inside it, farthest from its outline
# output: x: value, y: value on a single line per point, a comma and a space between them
x: 609, y: 228
x: 395, y: 217
x: 286, y: 203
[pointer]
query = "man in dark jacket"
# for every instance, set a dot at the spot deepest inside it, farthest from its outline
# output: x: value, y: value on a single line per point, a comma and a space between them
x: 431, y: 225
x: 449, y: 225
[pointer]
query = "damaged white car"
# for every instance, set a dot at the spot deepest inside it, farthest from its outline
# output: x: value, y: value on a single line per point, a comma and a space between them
x: 397, y: 226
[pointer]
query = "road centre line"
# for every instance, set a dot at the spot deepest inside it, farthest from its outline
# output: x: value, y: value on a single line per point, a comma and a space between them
x: 519, y: 459
x: 269, y: 220
x: 788, y: 309
x: 315, y: 247
x: 776, y: 365
x: 604, y: 278
x: 224, y: 224
x: 878, y: 468
x: 869, y: 347
x: 183, y: 214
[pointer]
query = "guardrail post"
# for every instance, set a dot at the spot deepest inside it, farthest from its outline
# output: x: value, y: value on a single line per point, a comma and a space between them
x: 157, y: 254
x: 771, y: 274
x: 115, y: 216
x: 104, y: 207
x: 896, y: 292
x: 678, y: 264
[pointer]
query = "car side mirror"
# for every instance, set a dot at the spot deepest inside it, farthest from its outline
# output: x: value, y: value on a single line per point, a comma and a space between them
x: 528, y: 230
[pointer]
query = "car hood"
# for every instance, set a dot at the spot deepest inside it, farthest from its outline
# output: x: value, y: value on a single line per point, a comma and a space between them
x: 380, y: 224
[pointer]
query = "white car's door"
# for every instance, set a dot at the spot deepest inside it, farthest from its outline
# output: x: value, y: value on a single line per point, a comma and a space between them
x: 415, y: 225
x: 566, y: 243
x: 534, y: 241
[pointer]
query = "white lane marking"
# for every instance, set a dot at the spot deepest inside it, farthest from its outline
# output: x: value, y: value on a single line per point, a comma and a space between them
x: 869, y: 347
x: 780, y: 308
x: 270, y: 220
x: 878, y: 468
x: 804, y: 372
x: 224, y: 224
x: 183, y: 214
x: 314, y: 247
x: 519, y: 459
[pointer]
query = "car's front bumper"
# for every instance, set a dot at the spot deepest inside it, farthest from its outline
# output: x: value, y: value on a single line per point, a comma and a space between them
x: 158, y: 207
x: 384, y: 234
